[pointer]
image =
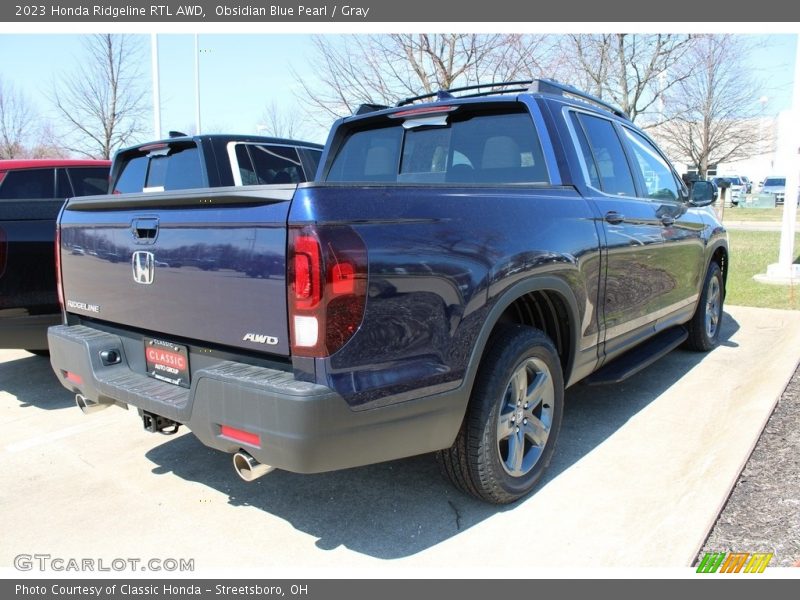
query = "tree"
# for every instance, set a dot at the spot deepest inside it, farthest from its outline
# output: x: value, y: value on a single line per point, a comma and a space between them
x: 717, y: 107
x: 17, y: 121
x: 383, y: 69
x: 102, y: 103
x: 277, y: 122
x: 631, y: 71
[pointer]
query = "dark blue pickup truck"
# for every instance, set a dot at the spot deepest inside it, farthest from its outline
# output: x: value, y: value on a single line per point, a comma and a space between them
x: 454, y: 266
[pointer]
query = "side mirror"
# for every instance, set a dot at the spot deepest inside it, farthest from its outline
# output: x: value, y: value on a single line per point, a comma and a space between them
x: 703, y: 193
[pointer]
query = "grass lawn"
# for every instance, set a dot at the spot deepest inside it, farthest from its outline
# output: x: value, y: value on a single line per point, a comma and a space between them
x: 750, y: 253
x: 734, y: 213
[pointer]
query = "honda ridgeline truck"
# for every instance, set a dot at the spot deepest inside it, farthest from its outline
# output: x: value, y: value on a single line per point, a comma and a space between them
x: 453, y: 267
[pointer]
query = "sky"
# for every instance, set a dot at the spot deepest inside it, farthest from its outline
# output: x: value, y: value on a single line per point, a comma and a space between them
x: 241, y: 73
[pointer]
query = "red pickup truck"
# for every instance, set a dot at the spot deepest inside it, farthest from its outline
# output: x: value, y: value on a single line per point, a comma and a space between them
x: 32, y: 193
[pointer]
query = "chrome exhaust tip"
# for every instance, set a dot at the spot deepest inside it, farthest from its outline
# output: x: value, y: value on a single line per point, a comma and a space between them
x: 248, y: 468
x: 89, y: 406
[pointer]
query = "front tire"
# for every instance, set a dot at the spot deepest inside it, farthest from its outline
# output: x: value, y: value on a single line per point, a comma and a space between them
x: 509, y: 432
x: 705, y: 326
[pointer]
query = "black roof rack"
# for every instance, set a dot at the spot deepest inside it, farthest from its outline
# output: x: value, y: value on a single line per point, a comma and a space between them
x: 448, y: 94
x: 550, y: 86
x: 543, y: 86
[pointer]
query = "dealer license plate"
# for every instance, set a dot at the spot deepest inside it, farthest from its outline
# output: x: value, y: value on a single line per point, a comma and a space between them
x: 167, y: 361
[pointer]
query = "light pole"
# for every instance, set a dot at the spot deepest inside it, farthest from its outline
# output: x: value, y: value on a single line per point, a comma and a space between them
x: 156, y: 88
x: 197, y: 83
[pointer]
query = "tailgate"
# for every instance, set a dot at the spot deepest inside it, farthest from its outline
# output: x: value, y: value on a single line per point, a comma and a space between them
x: 201, y: 265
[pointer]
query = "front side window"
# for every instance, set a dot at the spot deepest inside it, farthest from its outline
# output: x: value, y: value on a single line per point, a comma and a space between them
x: 659, y: 181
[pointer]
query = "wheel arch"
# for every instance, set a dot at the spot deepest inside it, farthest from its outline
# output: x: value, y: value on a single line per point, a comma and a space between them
x: 544, y: 302
x: 719, y: 254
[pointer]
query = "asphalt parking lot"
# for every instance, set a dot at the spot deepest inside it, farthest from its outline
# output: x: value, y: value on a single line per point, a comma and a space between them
x: 639, y: 477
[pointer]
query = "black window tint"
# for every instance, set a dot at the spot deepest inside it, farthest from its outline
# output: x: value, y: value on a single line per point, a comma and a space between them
x: 28, y: 184
x: 132, y: 176
x: 612, y: 166
x: 370, y: 155
x: 481, y: 148
x: 276, y: 164
x: 63, y: 187
x: 586, y: 152
x: 178, y: 170
x: 246, y: 171
x: 89, y: 181
x: 311, y: 158
x: 659, y: 181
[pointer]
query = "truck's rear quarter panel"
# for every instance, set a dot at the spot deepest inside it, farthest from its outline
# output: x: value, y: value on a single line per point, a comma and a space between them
x: 439, y: 259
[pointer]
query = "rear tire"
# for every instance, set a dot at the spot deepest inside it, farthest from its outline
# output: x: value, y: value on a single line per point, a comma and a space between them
x: 705, y: 326
x: 509, y: 432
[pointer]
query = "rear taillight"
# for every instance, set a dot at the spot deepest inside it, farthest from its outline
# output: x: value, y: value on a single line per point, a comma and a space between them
x: 327, y: 291
x: 59, y: 289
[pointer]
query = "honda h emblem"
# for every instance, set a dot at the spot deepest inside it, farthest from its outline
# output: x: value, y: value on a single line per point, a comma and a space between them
x: 143, y: 264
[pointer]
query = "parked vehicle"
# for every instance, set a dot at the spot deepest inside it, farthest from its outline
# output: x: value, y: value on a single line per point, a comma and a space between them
x: 31, y: 195
x: 454, y: 266
x: 776, y: 186
x: 202, y: 161
x: 748, y: 185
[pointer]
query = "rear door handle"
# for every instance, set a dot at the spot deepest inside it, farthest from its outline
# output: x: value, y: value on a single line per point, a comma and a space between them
x: 614, y: 217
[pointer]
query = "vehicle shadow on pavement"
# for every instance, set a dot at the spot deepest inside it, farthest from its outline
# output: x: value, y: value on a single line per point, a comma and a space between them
x: 397, y: 509
x: 32, y: 381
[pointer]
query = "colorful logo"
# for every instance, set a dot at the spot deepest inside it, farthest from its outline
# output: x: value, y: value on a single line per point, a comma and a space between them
x: 734, y: 562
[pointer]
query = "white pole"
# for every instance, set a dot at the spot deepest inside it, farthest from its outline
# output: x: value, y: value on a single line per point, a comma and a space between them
x: 197, y: 82
x: 785, y: 271
x: 156, y: 89
x: 786, y: 256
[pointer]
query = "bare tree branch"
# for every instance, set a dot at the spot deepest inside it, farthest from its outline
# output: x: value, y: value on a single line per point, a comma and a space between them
x: 717, y: 107
x: 633, y: 71
x: 382, y: 69
x: 17, y: 121
x: 281, y: 123
x: 102, y: 104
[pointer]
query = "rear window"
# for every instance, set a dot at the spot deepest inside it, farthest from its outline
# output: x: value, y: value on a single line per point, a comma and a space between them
x: 469, y: 147
x: 28, y: 184
x: 176, y: 167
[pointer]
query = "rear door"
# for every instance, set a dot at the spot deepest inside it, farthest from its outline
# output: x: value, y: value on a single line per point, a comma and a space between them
x: 28, y: 210
x: 635, y: 280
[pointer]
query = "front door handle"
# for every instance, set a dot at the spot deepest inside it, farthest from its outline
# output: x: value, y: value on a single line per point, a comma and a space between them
x: 667, y: 221
x: 614, y: 217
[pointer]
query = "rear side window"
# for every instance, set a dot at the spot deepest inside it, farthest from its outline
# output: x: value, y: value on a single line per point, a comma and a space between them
x: 468, y: 147
x: 28, y: 184
x: 609, y: 157
x: 89, y: 181
x: 265, y: 164
x: 176, y: 167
